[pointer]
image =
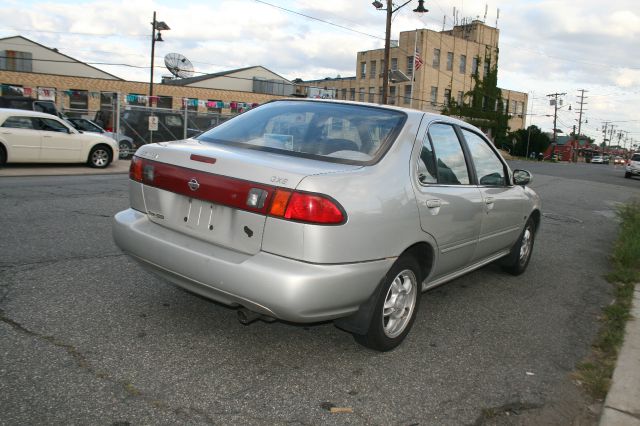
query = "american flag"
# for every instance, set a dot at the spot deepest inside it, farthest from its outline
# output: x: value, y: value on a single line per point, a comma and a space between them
x: 417, y: 61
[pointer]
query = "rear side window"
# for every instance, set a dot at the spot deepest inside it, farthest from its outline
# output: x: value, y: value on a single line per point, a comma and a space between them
x: 442, y: 159
x: 489, y: 168
x: 17, y: 122
x: 329, y: 131
x: 635, y: 157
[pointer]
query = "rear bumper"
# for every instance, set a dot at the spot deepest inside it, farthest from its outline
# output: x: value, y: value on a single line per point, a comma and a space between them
x: 265, y: 283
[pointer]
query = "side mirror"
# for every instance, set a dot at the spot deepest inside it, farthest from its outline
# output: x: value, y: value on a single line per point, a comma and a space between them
x: 522, y: 177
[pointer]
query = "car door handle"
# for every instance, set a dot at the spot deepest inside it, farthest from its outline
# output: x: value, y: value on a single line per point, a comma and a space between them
x: 46, y: 136
x: 6, y: 133
x: 489, y: 200
x: 435, y: 203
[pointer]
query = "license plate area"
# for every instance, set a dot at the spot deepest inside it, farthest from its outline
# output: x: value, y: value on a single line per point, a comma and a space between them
x: 221, y: 225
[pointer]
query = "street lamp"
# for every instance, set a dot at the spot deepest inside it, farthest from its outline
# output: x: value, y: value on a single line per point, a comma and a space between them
x: 387, y: 39
x: 155, y: 26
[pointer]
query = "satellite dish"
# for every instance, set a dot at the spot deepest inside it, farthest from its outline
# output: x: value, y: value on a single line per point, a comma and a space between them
x: 178, y: 65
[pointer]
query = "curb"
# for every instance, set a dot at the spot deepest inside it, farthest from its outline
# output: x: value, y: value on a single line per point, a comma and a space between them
x: 22, y: 170
x: 622, y: 405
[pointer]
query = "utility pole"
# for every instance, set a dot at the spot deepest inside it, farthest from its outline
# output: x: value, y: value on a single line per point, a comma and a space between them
x: 604, y: 136
x: 555, y: 118
x: 581, y: 103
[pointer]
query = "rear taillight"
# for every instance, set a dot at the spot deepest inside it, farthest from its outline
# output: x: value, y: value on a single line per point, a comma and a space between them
x: 136, y: 168
x: 277, y: 202
x: 313, y: 208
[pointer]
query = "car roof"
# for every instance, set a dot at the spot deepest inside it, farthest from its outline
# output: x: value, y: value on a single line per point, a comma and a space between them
x: 25, y: 112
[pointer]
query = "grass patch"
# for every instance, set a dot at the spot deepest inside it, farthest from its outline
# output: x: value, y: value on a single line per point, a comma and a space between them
x: 595, y: 373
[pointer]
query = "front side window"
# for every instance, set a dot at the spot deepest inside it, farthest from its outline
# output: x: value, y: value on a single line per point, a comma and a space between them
x: 331, y: 132
x: 489, y: 168
x: 85, y: 125
x: 18, y: 122
x: 448, y: 161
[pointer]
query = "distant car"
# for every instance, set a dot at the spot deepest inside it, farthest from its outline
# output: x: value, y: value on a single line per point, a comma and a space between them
x: 126, y: 145
x: 618, y: 160
x: 312, y: 210
x: 598, y: 159
x: 36, y: 137
x: 633, y: 166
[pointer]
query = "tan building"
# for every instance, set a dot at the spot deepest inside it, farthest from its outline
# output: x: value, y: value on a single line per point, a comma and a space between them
x: 449, y: 61
x: 31, y: 69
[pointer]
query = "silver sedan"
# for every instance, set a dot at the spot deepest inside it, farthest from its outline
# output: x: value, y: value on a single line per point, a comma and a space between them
x: 311, y: 210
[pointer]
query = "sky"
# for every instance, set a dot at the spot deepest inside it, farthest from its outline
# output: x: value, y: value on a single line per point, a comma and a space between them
x: 546, y: 46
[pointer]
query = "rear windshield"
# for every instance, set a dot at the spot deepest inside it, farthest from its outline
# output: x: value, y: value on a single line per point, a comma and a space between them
x: 635, y: 157
x: 343, y: 133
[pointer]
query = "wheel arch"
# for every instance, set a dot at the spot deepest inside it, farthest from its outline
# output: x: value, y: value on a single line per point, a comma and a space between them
x: 4, y: 152
x: 537, y: 217
x: 100, y: 144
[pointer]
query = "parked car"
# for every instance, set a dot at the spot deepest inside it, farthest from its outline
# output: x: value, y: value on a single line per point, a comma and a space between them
x: 633, y: 166
x: 312, y: 210
x: 598, y: 159
x: 30, y: 104
x: 36, y: 137
x: 126, y: 145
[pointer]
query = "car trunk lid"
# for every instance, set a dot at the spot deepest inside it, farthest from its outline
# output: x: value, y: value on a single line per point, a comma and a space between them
x: 217, y: 193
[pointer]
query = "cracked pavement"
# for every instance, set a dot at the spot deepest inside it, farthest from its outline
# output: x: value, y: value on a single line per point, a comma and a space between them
x: 88, y: 337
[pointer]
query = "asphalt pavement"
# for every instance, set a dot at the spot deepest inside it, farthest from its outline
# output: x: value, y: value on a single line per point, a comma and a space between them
x: 200, y: 380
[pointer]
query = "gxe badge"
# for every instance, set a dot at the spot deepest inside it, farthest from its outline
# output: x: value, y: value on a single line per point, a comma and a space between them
x: 193, y: 184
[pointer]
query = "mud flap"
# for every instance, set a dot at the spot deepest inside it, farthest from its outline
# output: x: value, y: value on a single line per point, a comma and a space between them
x: 358, y: 323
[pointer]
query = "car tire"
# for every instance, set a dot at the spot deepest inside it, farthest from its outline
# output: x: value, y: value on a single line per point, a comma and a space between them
x: 126, y: 149
x: 627, y: 174
x: 395, y: 308
x: 3, y: 156
x: 99, y: 156
x: 517, y: 260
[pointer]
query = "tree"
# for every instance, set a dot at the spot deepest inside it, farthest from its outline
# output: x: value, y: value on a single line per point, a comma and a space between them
x: 538, y: 141
x: 485, y: 107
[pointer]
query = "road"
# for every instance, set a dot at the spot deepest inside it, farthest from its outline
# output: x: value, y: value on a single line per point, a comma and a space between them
x: 87, y: 337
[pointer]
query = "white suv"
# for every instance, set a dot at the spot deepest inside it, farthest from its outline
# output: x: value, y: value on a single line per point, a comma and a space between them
x: 633, y: 166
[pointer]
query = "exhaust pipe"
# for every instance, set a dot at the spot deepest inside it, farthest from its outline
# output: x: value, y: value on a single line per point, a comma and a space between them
x: 246, y: 316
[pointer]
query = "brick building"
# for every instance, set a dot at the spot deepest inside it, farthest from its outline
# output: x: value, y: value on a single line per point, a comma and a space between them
x: 449, y: 61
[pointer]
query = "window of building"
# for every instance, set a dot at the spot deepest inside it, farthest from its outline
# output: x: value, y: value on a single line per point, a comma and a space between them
x: 372, y: 94
x: 12, y: 60
x: 372, y: 69
x: 434, y: 95
x: 521, y: 109
x: 407, y: 94
x: 485, y: 103
x: 409, y: 66
x: 11, y: 90
x: 47, y: 94
x: 486, y: 68
x: 436, y: 58
x: 460, y: 97
x: 463, y: 64
x: 107, y: 99
x: 361, y: 94
x: 214, y: 105
x: 392, y: 95
x: 136, y: 99
x: 394, y: 64
x: 449, y: 61
x: 474, y: 65
x: 363, y: 69
x: 79, y: 100
x: 514, y: 105
x: 447, y: 97
x: 164, y: 102
x: 192, y: 104
x: 344, y: 94
x: 352, y: 94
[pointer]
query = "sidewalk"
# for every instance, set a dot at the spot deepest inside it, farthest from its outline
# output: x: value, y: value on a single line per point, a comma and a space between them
x: 622, y: 406
x: 120, y: 166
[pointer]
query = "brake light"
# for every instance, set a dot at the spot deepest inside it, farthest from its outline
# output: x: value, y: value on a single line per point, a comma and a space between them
x: 136, y: 168
x: 312, y: 208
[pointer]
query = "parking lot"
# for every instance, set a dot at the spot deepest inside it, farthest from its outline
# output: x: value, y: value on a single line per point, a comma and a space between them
x: 88, y: 337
